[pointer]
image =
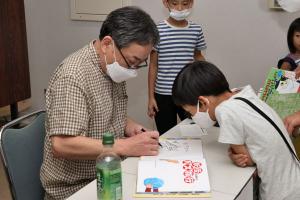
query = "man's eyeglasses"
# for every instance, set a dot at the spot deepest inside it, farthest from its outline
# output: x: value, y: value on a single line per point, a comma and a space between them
x: 142, y: 64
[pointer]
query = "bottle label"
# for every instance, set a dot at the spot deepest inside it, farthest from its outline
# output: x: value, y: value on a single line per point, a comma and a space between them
x: 109, y: 184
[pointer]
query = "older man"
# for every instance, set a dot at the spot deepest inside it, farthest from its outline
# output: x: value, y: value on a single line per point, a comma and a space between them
x: 87, y: 97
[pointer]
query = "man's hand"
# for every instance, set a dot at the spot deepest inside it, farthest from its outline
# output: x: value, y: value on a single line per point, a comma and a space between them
x: 133, y: 128
x: 143, y: 144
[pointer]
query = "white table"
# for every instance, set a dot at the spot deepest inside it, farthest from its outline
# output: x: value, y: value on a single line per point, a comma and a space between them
x: 227, y: 181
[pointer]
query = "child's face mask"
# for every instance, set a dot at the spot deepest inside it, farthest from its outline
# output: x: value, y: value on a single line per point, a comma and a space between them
x: 180, y: 15
x: 203, y: 119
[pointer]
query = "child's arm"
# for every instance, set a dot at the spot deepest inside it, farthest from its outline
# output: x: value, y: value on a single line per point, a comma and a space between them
x: 152, y: 106
x: 292, y: 122
x: 297, y: 71
x: 240, y: 156
x: 198, y: 55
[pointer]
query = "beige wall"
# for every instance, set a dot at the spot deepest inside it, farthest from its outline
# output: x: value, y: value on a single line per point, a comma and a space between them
x: 244, y: 39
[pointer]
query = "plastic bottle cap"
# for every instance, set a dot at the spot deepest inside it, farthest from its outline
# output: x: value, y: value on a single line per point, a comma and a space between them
x: 108, y: 139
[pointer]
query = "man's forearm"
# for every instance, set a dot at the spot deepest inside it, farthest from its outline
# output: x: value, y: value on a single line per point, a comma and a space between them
x: 76, y: 147
x: 82, y: 148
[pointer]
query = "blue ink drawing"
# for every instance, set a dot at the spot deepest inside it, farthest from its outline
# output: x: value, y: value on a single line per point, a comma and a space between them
x: 153, y: 183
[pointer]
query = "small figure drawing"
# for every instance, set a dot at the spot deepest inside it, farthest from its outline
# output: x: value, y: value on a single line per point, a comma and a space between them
x: 153, y: 184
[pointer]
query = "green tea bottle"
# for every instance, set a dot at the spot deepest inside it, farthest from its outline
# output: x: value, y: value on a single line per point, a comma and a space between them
x: 108, y: 169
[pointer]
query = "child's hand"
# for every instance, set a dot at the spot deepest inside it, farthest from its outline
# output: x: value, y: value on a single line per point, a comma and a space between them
x: 292, y: 121
x: 152, y: 108
x: 241, y: 160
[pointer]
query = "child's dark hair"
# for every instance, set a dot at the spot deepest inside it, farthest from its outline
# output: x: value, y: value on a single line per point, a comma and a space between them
x: 199, y: 78
x: 288, y: 60
x: 294, y: 27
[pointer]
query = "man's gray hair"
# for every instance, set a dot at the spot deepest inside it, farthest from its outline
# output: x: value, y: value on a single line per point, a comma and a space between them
x: 130, y: 25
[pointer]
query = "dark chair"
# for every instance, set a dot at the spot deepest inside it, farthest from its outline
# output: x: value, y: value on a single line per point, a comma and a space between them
x: 21, y: 145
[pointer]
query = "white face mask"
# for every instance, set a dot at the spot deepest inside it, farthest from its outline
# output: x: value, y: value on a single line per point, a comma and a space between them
x: 118, y: 73
x: 180, y: 15
x: 203, y: 119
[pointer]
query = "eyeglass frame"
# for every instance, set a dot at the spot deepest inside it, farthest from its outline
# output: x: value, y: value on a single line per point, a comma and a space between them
x: 142, y: 64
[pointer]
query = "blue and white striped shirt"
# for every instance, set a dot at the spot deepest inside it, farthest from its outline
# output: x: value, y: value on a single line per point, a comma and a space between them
x: 175, y: 49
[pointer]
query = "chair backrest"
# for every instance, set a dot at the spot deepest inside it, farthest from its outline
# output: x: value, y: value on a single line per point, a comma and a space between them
x: 22, y: 154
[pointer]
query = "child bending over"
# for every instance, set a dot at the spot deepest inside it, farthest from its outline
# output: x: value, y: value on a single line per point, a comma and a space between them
x: 203, y: 91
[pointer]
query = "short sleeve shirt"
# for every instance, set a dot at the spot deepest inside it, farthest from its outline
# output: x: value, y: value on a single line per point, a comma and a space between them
x: 240, y: 124
x: 81, y: 100
x: 176, y: 48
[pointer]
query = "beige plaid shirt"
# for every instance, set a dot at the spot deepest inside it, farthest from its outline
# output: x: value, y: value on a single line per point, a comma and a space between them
x: 81, y: 100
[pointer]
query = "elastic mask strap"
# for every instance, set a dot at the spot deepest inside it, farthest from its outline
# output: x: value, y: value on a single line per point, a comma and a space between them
x: 105, y: 59
x: 114, y: 51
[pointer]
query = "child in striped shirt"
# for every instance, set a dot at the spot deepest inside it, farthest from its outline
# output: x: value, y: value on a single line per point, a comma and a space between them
x: 181, y: 42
